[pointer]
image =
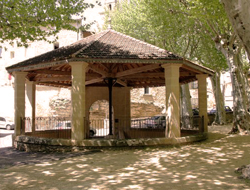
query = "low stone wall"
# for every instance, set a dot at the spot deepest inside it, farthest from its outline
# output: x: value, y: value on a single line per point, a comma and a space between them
x: 36, y: 144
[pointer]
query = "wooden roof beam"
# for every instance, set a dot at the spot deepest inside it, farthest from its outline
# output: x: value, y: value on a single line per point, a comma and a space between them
x: 52, y: 72
x: 137, y: 70
x: 55, y: 84
x: 187, y: 74
x: 145, y: 75
x: 93, y: 81
x: 148, y: 81
x: 97, y: 70
x: 43, y: 79
x: 119, y: 81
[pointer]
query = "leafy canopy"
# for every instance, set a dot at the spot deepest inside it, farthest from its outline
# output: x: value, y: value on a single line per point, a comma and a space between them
x: 176, y: 26
x: 30, y: 20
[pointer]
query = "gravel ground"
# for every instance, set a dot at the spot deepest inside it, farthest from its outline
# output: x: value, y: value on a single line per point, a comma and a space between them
x: 206, y: 165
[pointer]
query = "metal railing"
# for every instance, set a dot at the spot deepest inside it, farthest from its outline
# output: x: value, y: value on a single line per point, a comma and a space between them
x: 126, y: 128
x: 50, y: 127
x: 192, y: 122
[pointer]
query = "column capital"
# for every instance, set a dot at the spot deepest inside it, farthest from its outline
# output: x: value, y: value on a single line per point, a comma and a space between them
x: 167, y: 65
x: 19, y: 73
x: 80, y: 63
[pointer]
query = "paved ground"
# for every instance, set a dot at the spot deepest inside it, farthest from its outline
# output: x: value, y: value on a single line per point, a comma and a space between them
x: 10, y: 157
x: 206, y: 165
x: 6, y: 138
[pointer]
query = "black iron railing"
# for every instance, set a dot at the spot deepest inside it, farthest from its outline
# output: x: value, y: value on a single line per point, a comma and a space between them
x: 52, y: 123
x: 60, y: 127
x: 98, y: 127
x: 51, y: 127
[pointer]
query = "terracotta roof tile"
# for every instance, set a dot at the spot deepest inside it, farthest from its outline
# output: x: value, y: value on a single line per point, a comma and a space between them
x: 108, y: 44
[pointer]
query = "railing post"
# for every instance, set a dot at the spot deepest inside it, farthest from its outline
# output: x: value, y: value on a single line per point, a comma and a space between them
x: 21, y: 126
x: 33, y: 125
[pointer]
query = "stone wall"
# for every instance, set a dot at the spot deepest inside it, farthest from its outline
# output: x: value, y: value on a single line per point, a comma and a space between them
x: 34, y: 144
x: 51, y: 101
x: 56, y: 102
x: 145, y: 110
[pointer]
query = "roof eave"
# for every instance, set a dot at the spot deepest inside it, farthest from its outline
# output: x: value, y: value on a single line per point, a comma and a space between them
x: 200, y: 68
x: 12, y: 69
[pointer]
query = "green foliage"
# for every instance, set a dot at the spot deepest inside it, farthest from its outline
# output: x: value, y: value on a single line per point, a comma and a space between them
x: 30, y: 20
x: 182, y: 27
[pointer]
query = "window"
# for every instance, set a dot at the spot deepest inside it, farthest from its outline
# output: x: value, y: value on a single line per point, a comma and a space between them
x: 12, y: 54
x: 146, y: 90
x: 56, y: 45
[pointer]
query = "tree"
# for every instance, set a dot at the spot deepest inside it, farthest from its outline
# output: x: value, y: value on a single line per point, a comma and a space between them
x: 30, y: 20
x: 239, y: 14
x: 212, y: 18
x: 177, y: 24
x: 169, y: 25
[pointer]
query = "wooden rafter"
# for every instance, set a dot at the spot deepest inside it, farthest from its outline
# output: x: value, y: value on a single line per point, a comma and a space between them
x: 97, y: 70
x: 186, y: 74
x: 145, y: 75
x: 191, y: 69
x: 52, y: 72
x: 55, y: 84
x: 93, y: 81
x: 119, y: 81
x: 43, y: 79
x: 148, y: 81
x: 137, y: 70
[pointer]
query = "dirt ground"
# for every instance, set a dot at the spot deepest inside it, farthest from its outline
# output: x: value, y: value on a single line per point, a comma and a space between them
x: 205, y: 165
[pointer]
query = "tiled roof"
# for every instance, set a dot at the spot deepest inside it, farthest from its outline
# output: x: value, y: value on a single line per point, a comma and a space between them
x: 113, y: 44
x: 108, y: 44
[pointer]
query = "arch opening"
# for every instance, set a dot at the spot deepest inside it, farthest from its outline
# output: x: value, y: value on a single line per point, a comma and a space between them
x: 99, y: 118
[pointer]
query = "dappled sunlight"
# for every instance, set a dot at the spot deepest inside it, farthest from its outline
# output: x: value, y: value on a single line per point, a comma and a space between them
x: 48, y: 173
x: 207, y: 165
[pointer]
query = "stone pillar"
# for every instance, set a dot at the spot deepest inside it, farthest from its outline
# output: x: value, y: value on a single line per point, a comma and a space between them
x: 202, y: 96
x: 19, y: 101
x: 172, y: 100
x: 78, y: 128
x: 31, y: 103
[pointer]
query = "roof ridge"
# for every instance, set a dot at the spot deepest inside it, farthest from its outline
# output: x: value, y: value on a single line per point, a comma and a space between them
x: 142, y: 42
x: 85, y: 47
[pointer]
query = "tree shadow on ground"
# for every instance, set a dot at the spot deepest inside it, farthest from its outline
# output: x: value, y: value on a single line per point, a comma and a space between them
x: 208, y: 165
x: 10, y: 157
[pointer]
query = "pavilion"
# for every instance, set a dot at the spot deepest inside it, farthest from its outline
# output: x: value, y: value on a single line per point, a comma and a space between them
x: 106, y: 66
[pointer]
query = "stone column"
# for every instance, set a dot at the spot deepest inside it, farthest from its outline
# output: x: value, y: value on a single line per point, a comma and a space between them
x: 172, y: 100
x: 31, y: 103
x: 202, y: 96
x: 19, y: 101
x: 78, y: 128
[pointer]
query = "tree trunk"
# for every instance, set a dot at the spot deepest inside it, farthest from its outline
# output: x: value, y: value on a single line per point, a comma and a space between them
x: 186, y: 107
x: 240, y: 96
x: 220, y: 115
x: 239, y: 14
